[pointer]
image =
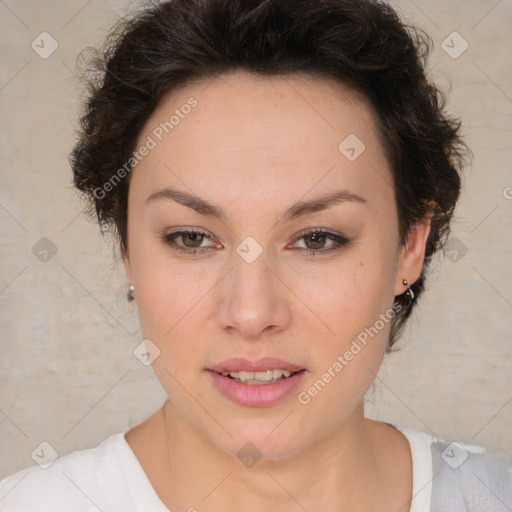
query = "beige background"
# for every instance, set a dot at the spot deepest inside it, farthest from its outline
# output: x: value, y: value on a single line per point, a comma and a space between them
x: 68, y: 374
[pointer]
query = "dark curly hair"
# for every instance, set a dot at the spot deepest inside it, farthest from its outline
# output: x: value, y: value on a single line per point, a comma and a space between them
x: 360, y: 42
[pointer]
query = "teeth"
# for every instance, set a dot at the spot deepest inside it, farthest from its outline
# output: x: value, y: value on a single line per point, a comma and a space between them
x: 265, y: 376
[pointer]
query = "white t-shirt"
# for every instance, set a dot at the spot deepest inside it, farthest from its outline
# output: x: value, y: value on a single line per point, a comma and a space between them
x: 447, y: 477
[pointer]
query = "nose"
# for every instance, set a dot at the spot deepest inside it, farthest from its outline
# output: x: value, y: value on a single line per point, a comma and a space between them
x: 253, y: 300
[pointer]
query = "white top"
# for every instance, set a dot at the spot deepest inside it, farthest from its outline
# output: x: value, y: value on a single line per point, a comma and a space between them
x: 451, y: 477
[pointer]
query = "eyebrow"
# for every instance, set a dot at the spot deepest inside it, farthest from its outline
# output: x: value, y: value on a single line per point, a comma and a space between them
x: 296, y: 210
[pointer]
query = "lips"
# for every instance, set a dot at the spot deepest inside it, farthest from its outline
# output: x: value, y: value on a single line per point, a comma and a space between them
x: 239, y: 364
x: 260, y: 392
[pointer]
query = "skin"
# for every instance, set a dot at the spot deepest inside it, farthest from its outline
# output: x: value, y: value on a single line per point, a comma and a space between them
x: 254, y: 146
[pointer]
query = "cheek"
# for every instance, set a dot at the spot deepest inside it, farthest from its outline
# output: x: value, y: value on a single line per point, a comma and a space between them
x: 349, y: 331
x: 175, y: 312
x: 167, y: 290
x: 343, y: 299
x: 348, y: 346
x: 170, y: 302
x: 171, y: 315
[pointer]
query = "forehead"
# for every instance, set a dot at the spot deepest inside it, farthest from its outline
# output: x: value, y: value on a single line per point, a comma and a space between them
x: 294, y: 131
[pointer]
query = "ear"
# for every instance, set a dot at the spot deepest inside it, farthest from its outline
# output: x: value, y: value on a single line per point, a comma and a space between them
x: 412, y: 255
x: 127, y: 266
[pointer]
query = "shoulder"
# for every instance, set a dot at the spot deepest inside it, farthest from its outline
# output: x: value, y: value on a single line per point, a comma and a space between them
x: 83, y: 480
x: 459, y: 476
x: 469, y: 478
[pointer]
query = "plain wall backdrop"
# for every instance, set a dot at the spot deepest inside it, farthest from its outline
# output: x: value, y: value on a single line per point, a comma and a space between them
x: 67, y: 370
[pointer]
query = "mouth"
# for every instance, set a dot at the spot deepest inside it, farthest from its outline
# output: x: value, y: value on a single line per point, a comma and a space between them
x: 260, y: 383
x: 264, y: 369
x: 259, y: 378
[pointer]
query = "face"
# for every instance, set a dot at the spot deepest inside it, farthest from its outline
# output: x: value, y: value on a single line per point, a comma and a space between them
x: 260, y: 227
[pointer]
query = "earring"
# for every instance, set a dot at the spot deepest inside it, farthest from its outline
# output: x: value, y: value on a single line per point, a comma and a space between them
x: 409, y: 291
x: 130, y: 295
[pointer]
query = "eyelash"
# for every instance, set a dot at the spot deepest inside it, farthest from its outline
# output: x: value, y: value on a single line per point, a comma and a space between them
x: 338, y: 239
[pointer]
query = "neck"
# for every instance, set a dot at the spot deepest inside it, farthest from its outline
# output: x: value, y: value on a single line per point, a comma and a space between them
x: 342, y: 471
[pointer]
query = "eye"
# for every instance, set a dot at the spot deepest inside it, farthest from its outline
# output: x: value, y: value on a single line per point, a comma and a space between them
x: 318, y: 241
x: 192, y: 241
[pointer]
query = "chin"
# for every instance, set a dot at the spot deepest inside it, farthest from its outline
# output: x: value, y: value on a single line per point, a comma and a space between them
x: 259, y: 439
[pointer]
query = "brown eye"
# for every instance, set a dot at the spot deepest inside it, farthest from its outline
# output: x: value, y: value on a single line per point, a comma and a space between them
x: 189, y: 241
x: 317, y: 240
x: 192, y: 240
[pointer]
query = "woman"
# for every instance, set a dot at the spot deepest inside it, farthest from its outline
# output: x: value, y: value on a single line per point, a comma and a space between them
x: 280, y: 174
